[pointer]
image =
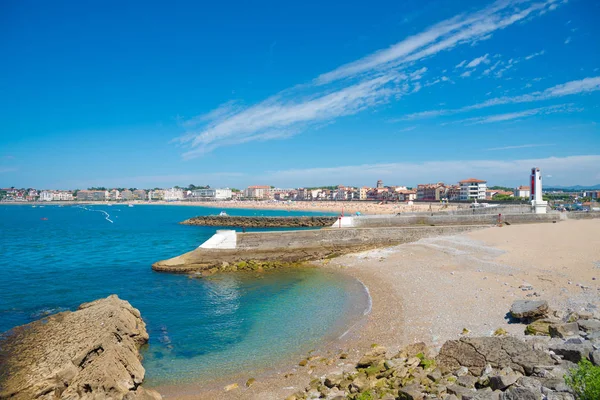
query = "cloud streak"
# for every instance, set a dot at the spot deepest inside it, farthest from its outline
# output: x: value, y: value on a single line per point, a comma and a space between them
x: 586, y: 85
x: 354, y: 87
x: 521, y: 146
x: 520, y: 114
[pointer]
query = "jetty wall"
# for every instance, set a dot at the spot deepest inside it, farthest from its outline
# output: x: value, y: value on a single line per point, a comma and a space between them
x: 300, y: 246
x: 424, y: 219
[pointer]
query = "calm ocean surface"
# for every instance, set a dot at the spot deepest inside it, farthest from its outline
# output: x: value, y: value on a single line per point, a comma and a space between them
x: 198, y: 327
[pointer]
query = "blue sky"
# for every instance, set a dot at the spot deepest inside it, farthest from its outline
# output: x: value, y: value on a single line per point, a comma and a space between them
x: 313, y: 93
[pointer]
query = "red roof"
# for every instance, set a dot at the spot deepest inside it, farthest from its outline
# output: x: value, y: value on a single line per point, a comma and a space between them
x: 472, y: 180
x: 523, y: 188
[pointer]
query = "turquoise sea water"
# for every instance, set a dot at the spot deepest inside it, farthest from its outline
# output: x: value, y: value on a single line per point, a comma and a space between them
x: 55, y: 258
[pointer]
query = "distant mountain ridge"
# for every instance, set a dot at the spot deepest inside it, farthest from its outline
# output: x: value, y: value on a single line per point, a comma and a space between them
x: 576, y: 187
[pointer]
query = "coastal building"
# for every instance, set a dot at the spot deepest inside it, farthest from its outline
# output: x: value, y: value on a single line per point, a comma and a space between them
x: 45, y: 195
x: 127, y: 195
x: 139, y: 194
x: 212, y: 194
x: 363, y: 192
x: 173, y: 194
x: 431, y: 191
x: 157, y: 194
x: 472, y: 189
x: 379, y: 184
x: 258, y: 192
x: 114, y: 195
x: 92, y: 195
x: 523, y: 191
x: 62, y: 196
x: 406, y: 195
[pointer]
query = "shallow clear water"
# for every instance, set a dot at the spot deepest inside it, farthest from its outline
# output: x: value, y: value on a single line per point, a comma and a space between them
x: 226, y: 323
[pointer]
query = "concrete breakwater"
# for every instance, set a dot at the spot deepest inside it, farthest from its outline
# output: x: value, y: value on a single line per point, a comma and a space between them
x: 229, y: 250
x: 90, y: 353
x: 261, y: 222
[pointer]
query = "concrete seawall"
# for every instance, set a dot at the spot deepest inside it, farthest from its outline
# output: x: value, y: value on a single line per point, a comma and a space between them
x: 227, y: 247
x: 299, y: 246
x: 260, y: 222
x: 424, y: 219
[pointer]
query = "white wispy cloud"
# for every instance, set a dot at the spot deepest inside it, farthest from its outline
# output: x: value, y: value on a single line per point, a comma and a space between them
x: 475, y: 62
x: 460, y: 64
x: 521, y: 146
x: 564, y: 108
x: 539, y: 53
x: 568, y: 40
x: 408, y: 129
x: 353, y: 87
x: 586, y: 85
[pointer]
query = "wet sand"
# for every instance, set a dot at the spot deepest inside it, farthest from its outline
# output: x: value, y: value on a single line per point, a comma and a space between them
x: 432, y: 289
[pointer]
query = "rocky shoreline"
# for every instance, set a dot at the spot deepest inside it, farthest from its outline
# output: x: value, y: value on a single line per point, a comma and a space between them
x: 91, y: 353
x: 499, y: 367
x: 261, y: 222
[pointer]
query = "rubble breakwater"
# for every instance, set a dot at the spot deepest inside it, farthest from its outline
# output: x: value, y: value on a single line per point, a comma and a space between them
x: 91, y: 353
x: 559, y: 364
x: 261, y: 222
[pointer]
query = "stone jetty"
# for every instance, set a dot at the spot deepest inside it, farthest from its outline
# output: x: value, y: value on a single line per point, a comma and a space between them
x: 91, y: 353
x: 261, y: 222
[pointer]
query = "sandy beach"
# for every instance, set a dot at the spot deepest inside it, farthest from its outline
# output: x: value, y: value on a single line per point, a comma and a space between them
x: 433, y: 289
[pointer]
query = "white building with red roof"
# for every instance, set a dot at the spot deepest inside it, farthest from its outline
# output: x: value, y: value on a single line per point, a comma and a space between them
x: 472, y: 189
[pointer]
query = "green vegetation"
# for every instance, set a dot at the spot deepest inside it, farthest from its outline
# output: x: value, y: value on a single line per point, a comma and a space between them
x: 585, y: 381
x: 506, y: 189
x: 426, y: 363
x: 368, y: 395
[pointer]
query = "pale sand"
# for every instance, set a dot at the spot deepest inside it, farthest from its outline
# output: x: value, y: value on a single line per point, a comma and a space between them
x: 348, y: 207
x: 432, y: 289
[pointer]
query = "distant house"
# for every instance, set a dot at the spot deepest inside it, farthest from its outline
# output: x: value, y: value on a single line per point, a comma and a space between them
x: 139, y: 194
x: 127, y: 195
x: 431, y: 191
x: 258, y: 192
x: 523, y: 191
x: 45, y: 195
x: 114, y: 195
x: 92, y: 195
x: 173, y: 194
x: 472, y: 189
x: 212, y: 194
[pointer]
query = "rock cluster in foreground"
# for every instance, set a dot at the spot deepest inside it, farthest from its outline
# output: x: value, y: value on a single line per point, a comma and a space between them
x: 473, y: 368
x: 261, y: 222
x: 92, y: 353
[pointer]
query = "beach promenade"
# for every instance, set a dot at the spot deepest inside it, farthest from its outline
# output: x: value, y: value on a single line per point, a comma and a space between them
x: 438, y: 289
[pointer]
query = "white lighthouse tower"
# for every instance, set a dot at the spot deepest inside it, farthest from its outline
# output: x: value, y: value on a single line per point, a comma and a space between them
x: 538, y: 204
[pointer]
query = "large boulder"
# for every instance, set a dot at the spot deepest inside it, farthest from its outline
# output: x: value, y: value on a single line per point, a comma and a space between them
x: 499, y: 352
x: 91, y: 353
x: 529, y: 309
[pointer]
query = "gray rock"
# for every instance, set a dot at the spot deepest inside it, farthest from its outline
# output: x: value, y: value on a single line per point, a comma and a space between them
x: 529, y: 382
x: 595, y: 357
x: 559, y: 396
x: 461, y: 392
x: 576, y: 340
x: 590, y: 325
x: 573, y: 352
x: 501, y: 382
x: 451, y: 397
x: 486, y: 394
x: 556, y: 385
x: 529, y: 309
x: 564, y: 330
x: 593, y: 335
x: 518, y: 393
x: 467, y: 381
x: 435, y: 375
x: 499, y: 352
x: 410, y: 392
